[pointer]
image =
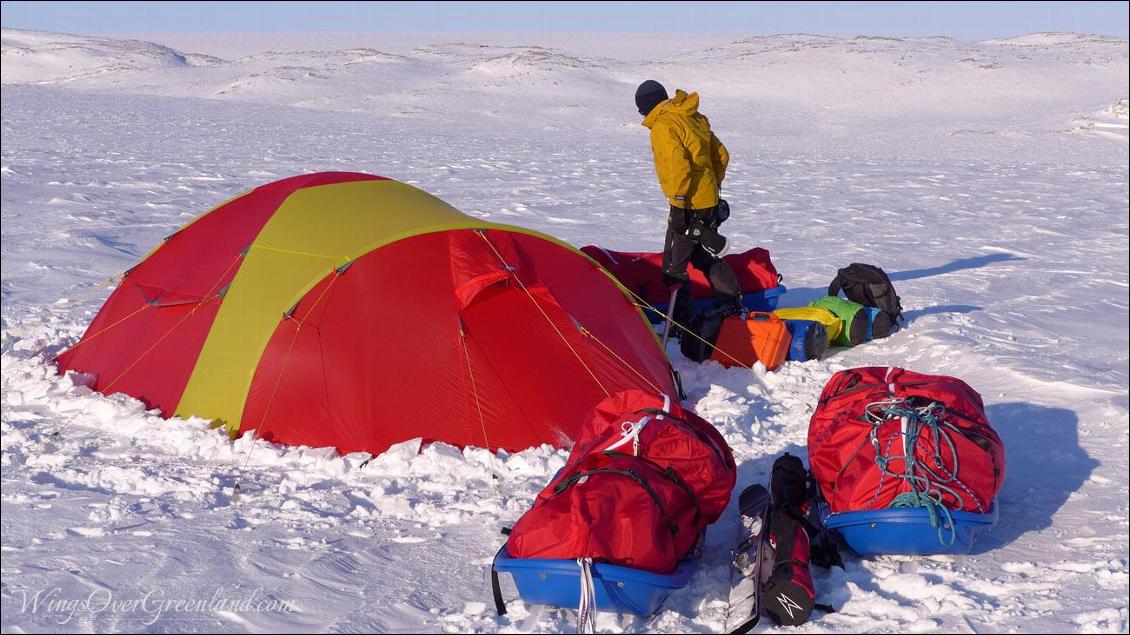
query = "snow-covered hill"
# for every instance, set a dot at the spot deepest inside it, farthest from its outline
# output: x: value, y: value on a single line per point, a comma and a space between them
x: 32, y: 57
x: 820, y: 90
x: 990, y: 179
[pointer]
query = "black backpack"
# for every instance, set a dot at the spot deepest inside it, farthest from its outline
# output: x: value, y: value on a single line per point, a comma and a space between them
x: 868, y: 285
x: 698, y: 343
x: 789, y: 483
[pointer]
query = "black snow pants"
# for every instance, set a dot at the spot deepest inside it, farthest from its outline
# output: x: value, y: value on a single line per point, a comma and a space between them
x: 679, y: 249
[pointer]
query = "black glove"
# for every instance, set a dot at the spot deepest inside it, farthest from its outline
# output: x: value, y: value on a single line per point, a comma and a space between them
x: 721, y: 212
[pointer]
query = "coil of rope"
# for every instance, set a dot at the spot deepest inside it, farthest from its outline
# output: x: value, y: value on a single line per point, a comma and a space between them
x: 928, y: 478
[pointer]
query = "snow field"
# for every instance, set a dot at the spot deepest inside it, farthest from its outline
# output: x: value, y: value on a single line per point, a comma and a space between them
x: 1001, y: 219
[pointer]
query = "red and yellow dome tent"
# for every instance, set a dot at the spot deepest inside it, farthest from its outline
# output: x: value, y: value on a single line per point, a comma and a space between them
x: 354, y: 311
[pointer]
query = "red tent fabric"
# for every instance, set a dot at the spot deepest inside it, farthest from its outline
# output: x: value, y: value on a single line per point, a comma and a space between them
x: 404, y: 336
x: 354, y: 311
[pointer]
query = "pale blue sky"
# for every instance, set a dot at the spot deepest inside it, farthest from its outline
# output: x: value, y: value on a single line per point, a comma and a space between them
x: 961, y: 20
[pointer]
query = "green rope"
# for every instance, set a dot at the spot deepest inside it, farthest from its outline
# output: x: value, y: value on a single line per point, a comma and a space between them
x: 936, y: 509
x: 929, y: 485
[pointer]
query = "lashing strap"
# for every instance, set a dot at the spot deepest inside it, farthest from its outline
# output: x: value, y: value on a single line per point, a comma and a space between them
x: 632, y: 474
x: 674, y: 477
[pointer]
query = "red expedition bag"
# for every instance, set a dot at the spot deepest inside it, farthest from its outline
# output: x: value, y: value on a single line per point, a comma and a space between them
x: 614, y: 508
x: 866, y: 417
x: 642, y: 272
x: 670, y: 437
x: 644, y: 480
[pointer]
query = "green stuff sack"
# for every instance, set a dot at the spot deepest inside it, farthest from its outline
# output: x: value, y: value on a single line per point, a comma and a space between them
x: 853, y: 315
x: 832, y: 324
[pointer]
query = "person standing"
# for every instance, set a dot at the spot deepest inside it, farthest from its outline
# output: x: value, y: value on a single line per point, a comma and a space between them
x: 691, y: 163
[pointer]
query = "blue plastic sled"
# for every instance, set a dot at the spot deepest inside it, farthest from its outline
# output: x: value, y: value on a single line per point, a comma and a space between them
x: 907, y: 531
x: 763, y: 301
x: 618, y: 589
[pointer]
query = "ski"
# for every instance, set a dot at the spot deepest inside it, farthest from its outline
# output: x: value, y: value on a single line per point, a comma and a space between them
x: 745, y: 572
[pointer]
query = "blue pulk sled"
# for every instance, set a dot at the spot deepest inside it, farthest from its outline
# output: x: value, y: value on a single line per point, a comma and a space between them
x: 760, y: 301
x: 557, y: 582
x: 909, y: 530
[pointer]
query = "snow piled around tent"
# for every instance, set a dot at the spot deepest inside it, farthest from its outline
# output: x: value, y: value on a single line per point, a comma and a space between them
x: 962, y: 169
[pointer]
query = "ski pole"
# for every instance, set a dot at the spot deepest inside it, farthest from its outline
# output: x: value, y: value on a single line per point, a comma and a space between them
x: 670, y: 316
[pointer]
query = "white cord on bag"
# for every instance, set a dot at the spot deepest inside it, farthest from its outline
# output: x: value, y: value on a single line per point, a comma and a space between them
x: 630, y: 431
x: 586, y: 611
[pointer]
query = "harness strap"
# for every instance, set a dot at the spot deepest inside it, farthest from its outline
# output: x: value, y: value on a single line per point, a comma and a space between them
x: 706, y: 440
x: 495, y: 587
x: 940, y: 517
x: 928, y: 485
x: 586, y: 611
x: 837, y: 285
x: 632, y: 474
x: 674, y: 477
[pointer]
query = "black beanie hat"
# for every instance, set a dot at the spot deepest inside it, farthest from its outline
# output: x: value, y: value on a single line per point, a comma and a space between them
x: 649, y: 95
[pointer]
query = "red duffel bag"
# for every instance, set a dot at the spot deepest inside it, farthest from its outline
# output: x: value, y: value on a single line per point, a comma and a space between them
x: 883, y: 437
x: 639, y: 423
x: 644, y: 479
x: 614, y: 508
x: 642, y: 272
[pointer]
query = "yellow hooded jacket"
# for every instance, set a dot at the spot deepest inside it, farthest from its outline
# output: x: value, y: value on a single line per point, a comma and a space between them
x: 689, y: 160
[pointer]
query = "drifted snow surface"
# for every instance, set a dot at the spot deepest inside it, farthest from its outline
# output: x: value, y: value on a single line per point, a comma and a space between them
x: 989, y: 179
